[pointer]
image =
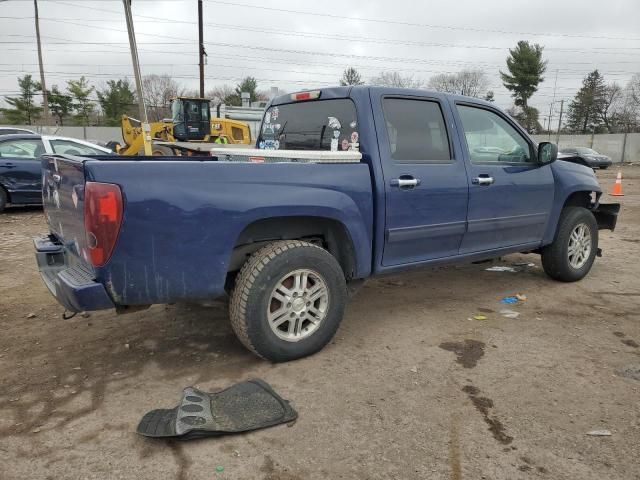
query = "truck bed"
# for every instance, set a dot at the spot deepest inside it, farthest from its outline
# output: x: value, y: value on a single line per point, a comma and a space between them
x: 182, y: 218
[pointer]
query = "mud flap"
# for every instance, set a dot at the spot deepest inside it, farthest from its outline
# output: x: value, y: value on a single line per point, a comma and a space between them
x: 246, y: 406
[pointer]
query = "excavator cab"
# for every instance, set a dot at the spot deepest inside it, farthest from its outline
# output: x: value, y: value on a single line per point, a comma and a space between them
x: 191, y: 119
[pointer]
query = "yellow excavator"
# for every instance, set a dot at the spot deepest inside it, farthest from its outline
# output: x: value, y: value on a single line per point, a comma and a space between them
x: 189, y: 131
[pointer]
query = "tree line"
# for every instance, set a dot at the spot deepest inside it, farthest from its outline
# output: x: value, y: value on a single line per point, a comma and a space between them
x: 597, y: 107
x: 80, y: 103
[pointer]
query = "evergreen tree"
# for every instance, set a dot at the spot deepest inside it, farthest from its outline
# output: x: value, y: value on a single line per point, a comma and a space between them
x: 83, y: 105
x: 60, y: 104
x: 351, y: 77
x: 585, y: 110
x: 249, y: 84
x: 116, y: 100
x: 25, y: 110
x: 526, y: 68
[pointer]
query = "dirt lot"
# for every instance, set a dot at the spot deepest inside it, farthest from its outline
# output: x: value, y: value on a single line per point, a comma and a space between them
x: 413, y: 387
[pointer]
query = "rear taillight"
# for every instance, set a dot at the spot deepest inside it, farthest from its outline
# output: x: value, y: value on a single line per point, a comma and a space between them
x: 311, y: 95
x: 102, y: 219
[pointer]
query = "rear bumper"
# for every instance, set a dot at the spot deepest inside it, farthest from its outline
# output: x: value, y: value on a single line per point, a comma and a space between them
x: 73, y: 286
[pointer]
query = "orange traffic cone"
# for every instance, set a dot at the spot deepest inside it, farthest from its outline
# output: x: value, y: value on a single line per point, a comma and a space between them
x: 617, y: 187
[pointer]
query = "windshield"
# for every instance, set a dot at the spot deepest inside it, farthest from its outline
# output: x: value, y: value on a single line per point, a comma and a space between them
x: 586, y: 151
x: 176, y: 111
x: 316, y: 125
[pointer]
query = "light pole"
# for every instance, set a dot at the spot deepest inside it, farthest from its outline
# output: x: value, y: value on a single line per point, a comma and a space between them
x: 146, y: 129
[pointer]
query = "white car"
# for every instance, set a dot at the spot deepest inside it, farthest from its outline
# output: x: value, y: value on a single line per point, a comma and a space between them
x: 20, y: 164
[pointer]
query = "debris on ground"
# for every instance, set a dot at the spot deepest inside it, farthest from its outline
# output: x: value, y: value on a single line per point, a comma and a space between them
x: 245, y: 406
x: 509, y: 313
x: 31, y: 315
x: 414, y: 369
x: 509, y: 300
x: 521, y: 297
x: 480, y: 317
x: 524, y: 264
x: 498, y: 268
x: 599, y: 433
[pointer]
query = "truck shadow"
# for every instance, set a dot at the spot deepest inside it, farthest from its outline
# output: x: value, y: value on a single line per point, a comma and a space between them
x: 105, y: 355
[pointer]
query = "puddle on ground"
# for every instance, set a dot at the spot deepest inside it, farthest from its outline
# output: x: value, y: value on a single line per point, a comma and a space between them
x: 484, y: 405
x: 468, y: 352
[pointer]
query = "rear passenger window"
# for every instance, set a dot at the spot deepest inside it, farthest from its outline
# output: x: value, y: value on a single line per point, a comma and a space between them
x: 417, y: 132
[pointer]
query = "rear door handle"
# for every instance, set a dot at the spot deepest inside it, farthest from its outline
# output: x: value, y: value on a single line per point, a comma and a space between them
x: 405, y: 182
x: 483, y: 180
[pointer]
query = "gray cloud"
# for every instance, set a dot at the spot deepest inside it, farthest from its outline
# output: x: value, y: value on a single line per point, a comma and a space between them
x: 295, y: 51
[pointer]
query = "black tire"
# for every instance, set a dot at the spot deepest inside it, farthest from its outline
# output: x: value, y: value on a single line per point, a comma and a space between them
x: 162, y: 151
x: 555, y: 257
x: 3, y: 199
x: 251, y: 298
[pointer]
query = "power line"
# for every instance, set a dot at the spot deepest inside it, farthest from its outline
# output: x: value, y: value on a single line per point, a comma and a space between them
x: 338, y: 37
x: 414, y: 24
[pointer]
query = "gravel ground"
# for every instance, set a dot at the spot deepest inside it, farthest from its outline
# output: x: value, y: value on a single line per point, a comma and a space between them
x: 412, y: 387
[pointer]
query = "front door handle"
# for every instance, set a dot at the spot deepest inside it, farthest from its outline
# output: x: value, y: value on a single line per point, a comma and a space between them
x: 483, y: 180
x: 405, y: 182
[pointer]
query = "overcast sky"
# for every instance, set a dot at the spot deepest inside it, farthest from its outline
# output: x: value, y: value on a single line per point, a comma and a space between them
x: 298, y: 45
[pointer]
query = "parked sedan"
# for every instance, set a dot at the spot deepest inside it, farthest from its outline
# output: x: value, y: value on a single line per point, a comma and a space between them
x: 20, y: 171
x: 589, y: 156
x: 11, y: 130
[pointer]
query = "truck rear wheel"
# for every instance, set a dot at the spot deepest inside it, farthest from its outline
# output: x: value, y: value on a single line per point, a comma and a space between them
x: 288, y: 300
x: 573, y: 251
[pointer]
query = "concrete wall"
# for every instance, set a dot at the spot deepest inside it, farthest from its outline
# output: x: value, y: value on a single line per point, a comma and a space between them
x: 611, y: 144
x: 91, y: 134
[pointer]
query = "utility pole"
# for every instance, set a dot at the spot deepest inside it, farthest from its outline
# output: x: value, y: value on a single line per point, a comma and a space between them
x: 201, y: 51
x: 553, y: 100
x: 45, y: 99
x: 146, y: 129
x: 559, y: 122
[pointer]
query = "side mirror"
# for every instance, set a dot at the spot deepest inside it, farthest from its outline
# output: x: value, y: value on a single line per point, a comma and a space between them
x: 547, y: 152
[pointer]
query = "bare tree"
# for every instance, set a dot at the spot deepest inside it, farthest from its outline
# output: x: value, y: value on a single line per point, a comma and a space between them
x: 634, y: 89
x: 220, y: 93
x: 472, y: 83
x: 626, y: 107
x: 611, y: 105
x: 444, y: 82
x: 394, y: 79
x: 158, y: 92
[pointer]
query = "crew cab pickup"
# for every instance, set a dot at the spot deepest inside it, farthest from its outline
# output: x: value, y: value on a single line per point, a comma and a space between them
x: 344, y: 184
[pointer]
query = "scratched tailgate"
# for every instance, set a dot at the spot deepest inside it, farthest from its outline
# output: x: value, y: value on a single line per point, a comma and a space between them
x: 63, y: 198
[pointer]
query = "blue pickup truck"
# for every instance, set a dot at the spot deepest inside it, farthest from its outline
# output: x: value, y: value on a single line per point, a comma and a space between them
x: 427, y: 179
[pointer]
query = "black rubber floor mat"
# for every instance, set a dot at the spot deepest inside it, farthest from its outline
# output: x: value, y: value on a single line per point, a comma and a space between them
x: 249, y: 405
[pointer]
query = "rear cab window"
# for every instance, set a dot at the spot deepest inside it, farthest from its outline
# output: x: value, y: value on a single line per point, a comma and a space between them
x: 329, y: 125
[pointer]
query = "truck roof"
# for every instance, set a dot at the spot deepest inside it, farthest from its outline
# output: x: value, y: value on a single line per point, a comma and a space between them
x: 344, y: 92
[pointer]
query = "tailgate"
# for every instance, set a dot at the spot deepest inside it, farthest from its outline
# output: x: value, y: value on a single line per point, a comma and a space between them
x: 63, y: 200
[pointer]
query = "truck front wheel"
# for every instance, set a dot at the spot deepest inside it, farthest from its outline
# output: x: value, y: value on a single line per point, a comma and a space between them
x: 570, y: 257
x: 288, y: 300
